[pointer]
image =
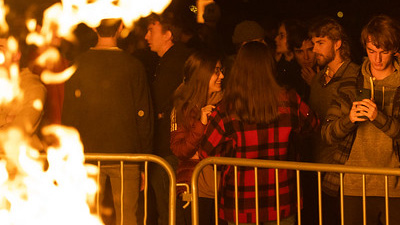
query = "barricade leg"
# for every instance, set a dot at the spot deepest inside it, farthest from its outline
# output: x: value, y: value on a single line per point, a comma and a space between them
x: 130, y: 181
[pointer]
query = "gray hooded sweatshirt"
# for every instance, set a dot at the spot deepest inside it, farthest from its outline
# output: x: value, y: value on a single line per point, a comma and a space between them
x: 372, y: 147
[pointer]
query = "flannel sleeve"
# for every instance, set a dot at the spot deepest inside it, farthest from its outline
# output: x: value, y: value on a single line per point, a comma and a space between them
x: 337, y: 124
x: 390, y: 125
x: 214, y: 137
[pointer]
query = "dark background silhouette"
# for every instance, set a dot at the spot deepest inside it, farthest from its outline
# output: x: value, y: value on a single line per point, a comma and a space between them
x: 267, y: 12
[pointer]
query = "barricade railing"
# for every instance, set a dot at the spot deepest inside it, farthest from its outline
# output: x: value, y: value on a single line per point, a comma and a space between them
x: 139, y: 158
x: 289, y: 165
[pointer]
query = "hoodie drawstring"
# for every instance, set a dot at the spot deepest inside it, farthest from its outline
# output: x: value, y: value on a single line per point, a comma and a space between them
x: 371, y: 82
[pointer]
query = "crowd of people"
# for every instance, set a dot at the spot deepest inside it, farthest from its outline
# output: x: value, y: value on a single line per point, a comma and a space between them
x: 298, y: 97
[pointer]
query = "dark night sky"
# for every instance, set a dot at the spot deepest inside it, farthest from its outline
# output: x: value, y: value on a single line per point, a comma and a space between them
x: 259, y: 9
x: 269, y: 12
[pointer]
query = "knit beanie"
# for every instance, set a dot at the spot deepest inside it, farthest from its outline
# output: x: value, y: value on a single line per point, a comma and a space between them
x: 247, y: 31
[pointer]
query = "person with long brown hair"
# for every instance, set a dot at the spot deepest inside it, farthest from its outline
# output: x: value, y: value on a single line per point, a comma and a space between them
x: 194, y: 101
x: 254, y: 121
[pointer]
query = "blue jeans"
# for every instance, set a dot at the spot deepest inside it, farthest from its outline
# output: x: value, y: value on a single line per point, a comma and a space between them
x: 131, y: 190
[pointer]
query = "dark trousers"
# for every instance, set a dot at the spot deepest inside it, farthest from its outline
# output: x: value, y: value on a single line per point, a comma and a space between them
x: 330, y: 209
x: 159, y: 181
x: 309, y: 214
x: 375, y: 210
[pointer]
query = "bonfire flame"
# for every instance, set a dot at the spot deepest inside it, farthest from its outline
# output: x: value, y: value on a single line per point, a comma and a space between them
x: 61, y: 19
x: 9, y: 74
x: 60, y: 188
x: 31, y: 194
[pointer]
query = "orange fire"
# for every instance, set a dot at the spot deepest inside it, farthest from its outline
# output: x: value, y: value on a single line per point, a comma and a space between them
x: 60, y: 188
x: 60, y: 20
x: 33, y: 194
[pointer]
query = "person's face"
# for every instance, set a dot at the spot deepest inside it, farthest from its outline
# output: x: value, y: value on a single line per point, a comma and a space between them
x: 324, y: 49
x: 216, y: 79
x: 380, y: 59
x: 304, y: 55
x: 155, y: 37
x: 281, y: 41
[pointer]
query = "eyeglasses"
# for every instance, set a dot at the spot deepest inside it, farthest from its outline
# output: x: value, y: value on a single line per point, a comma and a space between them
x: 219, y: 70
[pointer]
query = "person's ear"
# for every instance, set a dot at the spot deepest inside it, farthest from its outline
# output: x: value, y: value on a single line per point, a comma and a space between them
x: 168, y: 35
x: 338, y: 44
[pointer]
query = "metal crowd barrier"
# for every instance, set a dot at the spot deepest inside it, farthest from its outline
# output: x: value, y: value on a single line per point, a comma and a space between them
x: 296, y: 166
x: 146, y: 158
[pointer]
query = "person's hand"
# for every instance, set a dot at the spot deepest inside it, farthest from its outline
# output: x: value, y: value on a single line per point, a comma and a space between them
x: 363, y: 110
x: 205, y: 113
x: 308, y: 73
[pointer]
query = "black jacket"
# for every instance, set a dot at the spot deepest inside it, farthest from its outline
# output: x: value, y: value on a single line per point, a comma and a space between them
x: 108, y: 101
x: 168, y: 76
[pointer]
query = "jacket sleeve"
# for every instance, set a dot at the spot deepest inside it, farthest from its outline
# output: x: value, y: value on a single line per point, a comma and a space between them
x: 214, y: 142
x: 144, y: 111
x: 337, y: 124
x: 308, y: 121
x: 390, y: 125
x: 184, y: 142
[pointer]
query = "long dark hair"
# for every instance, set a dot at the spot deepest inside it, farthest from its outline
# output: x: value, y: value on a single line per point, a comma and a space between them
x: 252, y: 92
x: 191, y: 96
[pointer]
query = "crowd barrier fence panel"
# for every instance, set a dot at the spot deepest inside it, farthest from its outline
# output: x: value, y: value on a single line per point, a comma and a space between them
x: 146, y: 158
x: 289, y: 165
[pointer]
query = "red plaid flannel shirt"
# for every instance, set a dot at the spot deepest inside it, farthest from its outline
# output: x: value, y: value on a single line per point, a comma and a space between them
x: 226, y: 136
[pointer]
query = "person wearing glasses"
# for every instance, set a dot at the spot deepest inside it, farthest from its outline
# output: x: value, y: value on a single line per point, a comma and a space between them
x: 195, y: 99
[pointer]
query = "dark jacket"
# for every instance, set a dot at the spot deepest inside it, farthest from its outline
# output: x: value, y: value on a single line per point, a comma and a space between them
x: 108, y: 101
x: 168, y: 76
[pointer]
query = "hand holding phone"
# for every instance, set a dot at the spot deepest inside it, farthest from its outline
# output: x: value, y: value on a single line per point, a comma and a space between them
x: 361, y: 95
x: 363, y: 110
